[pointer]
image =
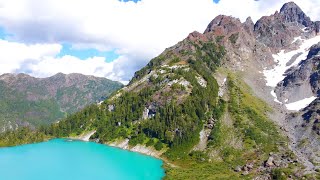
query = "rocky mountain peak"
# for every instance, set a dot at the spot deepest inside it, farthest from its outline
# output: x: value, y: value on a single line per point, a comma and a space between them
x: 249, y: 21
x: 249, y: 25
x: 12, y: 78
x: 289, y: 6
x: 223, y: 25
x: 293, y: 13
x: 195, y: 35
x: 278, y: 30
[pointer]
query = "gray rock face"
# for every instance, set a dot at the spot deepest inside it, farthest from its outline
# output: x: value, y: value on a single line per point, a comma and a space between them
x: 278, y: 30
x: 315, y: 76
x: 296, y: 85
x: 249, y: 25
x: 314, y: 51
x: 224, y: 25
x: 293, y: 14
x: 317, y: 26
x: 305, y: 127
x: 302, y: 81
x: 238, y: 38
x: 275, y: 32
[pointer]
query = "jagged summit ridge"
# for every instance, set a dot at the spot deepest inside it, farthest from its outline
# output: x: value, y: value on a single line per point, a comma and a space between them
x: 226, y: 23
x: 293, y: 13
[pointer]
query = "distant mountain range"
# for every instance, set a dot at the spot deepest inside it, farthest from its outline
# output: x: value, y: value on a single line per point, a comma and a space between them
x: 29, y: 101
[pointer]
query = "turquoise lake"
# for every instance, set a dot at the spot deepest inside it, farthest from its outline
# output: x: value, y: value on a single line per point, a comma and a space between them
x: 61, y: 159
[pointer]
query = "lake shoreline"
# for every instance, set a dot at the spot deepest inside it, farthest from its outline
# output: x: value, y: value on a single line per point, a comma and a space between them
x: 142, y: 149
x: 106, y: 161
x: 124, y: 145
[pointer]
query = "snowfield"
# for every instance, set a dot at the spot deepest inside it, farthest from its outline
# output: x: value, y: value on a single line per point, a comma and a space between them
x: 283, y: 63
x: 275, y: 75
x: 296, y: 106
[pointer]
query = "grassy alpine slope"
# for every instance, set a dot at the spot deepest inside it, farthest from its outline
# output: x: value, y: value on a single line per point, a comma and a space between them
x: 243, y: 135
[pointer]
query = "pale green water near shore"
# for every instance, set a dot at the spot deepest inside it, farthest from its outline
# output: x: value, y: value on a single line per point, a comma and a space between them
x: 60, y: 159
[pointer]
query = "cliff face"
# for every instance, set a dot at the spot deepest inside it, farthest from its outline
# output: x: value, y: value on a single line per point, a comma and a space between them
x: 29, y: 101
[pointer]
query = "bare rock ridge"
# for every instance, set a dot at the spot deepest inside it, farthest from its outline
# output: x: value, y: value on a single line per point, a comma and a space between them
x: 278, y: 30
x: 293, y: 14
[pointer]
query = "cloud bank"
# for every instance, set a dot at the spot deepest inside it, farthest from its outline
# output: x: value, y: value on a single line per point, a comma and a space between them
x: 135, y: 31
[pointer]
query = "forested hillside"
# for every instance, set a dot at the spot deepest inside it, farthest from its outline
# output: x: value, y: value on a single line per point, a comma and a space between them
x: 29, y: 101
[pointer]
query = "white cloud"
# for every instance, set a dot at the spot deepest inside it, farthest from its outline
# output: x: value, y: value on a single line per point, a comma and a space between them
x: 137, y: 31
x: 14, y: 54
x: 40, y: 60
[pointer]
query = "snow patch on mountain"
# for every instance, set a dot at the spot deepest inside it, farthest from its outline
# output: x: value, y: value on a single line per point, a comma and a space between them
x: 277, y: 73
x: 296, y: 106
x: 275, y: 97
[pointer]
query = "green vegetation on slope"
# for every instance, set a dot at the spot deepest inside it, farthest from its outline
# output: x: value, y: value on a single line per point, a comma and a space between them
x: 28, y: 101
x: 21, y: 136
x: 249, y: 137
x: 175, y: 125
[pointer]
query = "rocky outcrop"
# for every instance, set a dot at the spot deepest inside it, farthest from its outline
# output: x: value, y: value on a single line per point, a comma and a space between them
x: 301, y: 81
x: 238, y: 38
x: 85, y: 136
x: 278, y: 30
x: 124, y: 144
x: 274, y: 161
x: 249, y: 26
x: 293, y: 14
x: 274, y: 33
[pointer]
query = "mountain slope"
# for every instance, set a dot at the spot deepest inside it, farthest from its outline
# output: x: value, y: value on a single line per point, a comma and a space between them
x: 29, y: 101
x: 214, y: 105
x: 174, y: 98
x: 194, y: 105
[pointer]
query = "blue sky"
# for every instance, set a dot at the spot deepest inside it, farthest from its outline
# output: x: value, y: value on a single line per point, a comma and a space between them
x: 2, y: 33
x: 67, y: 49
